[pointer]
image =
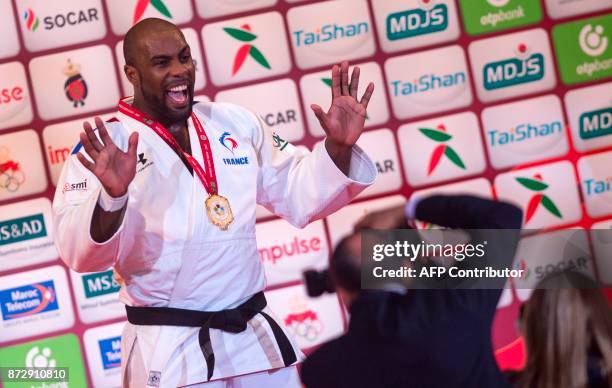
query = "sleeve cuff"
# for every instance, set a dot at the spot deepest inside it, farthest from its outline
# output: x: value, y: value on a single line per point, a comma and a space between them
x: 111, y: 204
x: 362, y: 170
x: 410, y: 208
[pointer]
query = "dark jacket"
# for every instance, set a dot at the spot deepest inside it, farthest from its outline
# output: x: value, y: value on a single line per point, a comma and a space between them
x: 424, y: 338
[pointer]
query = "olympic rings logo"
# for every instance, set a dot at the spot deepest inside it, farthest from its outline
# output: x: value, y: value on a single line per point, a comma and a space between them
x: 11, y: 176
x: 308, y: 329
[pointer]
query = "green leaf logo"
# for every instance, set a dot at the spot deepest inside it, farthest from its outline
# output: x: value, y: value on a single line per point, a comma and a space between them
x: 439, y: 135
x: 142, y: 5
x: 537, y: 184
x: 244, y: 34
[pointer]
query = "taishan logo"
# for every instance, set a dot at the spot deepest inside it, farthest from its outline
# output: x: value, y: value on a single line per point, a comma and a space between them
x: 75, y: 86
x: 598, y: 186
x: 596, y: 123
x: 418, y: 21
x: 142, y: 6
x: 439, y: 135
x: 524, y: 132
x: 244, y: 34
x: 537, y: 184
x: 428, y: 83
x: 31, y: 20
x: 328, y: 33
x: 524, y: 68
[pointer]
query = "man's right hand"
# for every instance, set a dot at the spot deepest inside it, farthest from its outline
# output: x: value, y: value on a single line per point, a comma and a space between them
x: 114, y: 168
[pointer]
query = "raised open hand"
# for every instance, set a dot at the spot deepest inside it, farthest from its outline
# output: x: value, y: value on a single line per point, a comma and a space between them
x: 114, y: 168
x: 344, y: 121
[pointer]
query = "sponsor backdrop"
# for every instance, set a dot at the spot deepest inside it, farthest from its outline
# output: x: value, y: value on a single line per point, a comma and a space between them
x: 508, y: 99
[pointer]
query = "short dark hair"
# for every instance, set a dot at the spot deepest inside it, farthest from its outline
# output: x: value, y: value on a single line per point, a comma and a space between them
x: 345, y: 266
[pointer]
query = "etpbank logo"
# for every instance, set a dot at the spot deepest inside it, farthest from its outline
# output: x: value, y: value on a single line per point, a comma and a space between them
x: 328, y: 32
x: 110, y: 350
x: 28, y: 300
x: 512, y: 65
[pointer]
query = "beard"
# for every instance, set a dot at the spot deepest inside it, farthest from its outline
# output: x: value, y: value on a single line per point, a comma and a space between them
x: 164, y: 114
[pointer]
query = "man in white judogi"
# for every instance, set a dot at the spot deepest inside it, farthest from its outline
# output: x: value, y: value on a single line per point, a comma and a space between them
x: 165, y: 193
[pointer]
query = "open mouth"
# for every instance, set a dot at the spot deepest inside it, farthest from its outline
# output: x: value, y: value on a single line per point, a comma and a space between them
x: 177, y: 96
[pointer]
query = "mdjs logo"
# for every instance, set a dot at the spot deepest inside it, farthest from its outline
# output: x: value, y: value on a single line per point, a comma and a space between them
x: 28, y: 300
x: 525, y: 67
x: 418, y: 21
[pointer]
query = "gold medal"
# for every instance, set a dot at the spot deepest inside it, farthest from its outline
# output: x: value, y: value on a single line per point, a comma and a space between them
x: 219, y: 211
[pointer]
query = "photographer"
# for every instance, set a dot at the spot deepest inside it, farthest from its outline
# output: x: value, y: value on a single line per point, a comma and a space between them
x: 419, y: 337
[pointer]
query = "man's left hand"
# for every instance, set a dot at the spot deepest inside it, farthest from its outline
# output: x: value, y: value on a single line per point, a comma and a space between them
x: 344, y: 121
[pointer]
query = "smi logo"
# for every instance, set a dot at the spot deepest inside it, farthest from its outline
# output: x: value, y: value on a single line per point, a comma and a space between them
x: 418, y: 21
x: 142, y: 6
x: 31, y: 20
x: 537, y: 184
x: 526, y: 67
x: 28, y: 300
x: 244, y: 34
x: 328, y: 33
x: 439, y: 135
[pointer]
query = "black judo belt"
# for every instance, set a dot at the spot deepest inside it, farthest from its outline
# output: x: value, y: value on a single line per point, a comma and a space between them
x: 232, y: 321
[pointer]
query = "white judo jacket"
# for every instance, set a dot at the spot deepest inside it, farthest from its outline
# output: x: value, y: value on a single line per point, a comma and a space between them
x: 170, y: 255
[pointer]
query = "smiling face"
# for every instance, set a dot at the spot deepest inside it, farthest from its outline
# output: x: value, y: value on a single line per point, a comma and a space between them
x: 163, y: 74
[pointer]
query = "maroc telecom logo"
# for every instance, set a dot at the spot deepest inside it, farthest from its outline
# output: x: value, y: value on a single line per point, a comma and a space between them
x: 440, y: 135
x: 244, y: 34
x: 228, y: 142
x: 537, y: 185
x: 28, y: 300
x: 524, y: 68
x: 142, y: 6
x: 31, y: 20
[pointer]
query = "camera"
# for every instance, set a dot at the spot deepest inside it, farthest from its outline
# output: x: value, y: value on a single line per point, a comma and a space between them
x: 318, y: 282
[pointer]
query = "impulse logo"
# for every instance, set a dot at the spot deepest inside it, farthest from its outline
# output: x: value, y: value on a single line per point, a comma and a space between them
x: 523, y: 132
x: 244, y: 34
x: 31, y: 20
x: 537, y: 184
x: 22, y: 229
x: 142, y: 6
x: 439, y: 135
x: 598, y: 186
x: 418, y: 21
x: 110, y: 349
x: 524, y: 68
x: 427, y: 83
x: 596, y: 123
x: 328, y: 33
x: 28, y: 300
x: 297, y: 246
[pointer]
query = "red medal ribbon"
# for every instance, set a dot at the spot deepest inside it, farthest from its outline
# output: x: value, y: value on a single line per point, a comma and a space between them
x: 208, y: 177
